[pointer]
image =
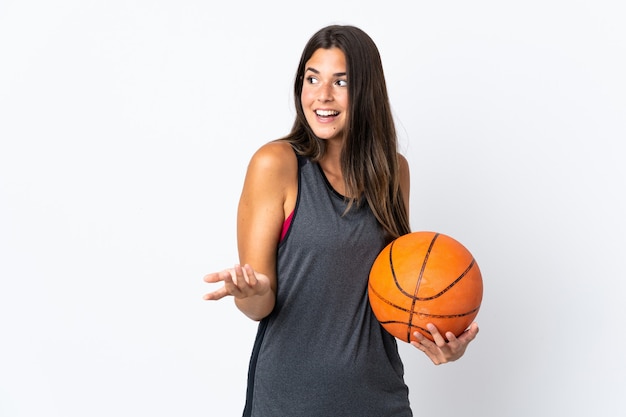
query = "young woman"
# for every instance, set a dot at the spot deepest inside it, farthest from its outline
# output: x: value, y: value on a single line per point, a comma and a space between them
x: 317, y: 206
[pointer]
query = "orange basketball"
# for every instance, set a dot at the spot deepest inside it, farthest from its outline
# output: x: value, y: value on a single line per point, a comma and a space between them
x: 421, y: 278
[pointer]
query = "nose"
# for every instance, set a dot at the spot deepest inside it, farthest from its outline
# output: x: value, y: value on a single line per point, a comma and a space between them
x: 325, y: 93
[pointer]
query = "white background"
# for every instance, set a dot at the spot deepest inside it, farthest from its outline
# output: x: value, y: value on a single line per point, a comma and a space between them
x: 125, y: 130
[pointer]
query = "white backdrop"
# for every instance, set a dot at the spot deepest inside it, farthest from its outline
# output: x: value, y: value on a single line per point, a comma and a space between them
x: 125, y: 130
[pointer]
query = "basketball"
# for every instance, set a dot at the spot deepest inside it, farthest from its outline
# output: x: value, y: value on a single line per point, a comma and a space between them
x: 421, y: 278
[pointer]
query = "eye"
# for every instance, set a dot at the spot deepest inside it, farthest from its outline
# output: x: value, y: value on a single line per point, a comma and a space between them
x: 311, y: 80
x: 342, y: 83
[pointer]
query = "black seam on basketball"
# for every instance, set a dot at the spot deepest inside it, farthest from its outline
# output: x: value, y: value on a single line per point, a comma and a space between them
x: 408, y: 340
x: 411, y: 325
x: 436, y: 316
x: 452, y: 284
x: 385, y: 300
x: 449, y: 316
x: 395, y: 280
x: 417, y: 286
x: 439, y: 294
x: 399, y: 307
x: 393, y: 272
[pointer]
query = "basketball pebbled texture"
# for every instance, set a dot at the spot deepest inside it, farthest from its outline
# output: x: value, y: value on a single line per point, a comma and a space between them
x: 421, y: 278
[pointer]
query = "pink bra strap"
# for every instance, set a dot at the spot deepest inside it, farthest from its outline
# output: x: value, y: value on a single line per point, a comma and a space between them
x: 286, y: 225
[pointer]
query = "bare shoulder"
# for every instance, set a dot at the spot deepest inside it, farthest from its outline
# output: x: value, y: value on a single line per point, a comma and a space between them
x: 403, y: 165
x: 272, y: 176
x: 276, y: 159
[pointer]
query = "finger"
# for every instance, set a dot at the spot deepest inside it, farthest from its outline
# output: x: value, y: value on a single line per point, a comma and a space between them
x: 418, y: 345
x: 420, y: 337
x: 235, y: 283
x: 451, y: 337
x: 214, y: 277
x: 216, y: 295
x: 245, y: 280
x: 437, y: 337
x: 250, y: 275
x: 239, y: 278
x: 469, y: 334
x: 221, y: 276
x: 430, y: 349
x: 422, y: 340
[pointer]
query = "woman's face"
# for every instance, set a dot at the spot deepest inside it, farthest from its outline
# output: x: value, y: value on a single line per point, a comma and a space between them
x: 325, y: 93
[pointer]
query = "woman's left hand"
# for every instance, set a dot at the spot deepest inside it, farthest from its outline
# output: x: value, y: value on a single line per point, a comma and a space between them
x: 441, y: 351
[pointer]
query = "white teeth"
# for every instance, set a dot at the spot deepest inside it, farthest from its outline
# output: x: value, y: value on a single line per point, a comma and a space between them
x: 326, y: 113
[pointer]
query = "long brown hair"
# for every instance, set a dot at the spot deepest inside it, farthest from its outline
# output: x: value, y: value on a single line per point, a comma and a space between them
x: 369, y: 159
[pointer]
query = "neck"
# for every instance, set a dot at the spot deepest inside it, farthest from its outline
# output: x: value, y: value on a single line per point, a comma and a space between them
x: 331, y: 165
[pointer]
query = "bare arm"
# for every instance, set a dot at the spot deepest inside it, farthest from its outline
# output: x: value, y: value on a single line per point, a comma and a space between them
x: 405, y: 180
x: 269, y: 191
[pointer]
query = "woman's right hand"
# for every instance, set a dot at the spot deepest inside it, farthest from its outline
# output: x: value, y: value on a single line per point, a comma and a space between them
x: 239, y: 282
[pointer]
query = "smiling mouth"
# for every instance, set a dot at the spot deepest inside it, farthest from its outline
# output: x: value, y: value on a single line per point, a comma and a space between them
x: 326, y: 113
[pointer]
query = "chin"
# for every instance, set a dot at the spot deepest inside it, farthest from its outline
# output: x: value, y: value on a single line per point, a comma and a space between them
x: 325, y: 135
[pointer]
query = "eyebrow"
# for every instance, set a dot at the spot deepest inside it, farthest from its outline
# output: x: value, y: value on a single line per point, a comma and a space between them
x: 337, y: 74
